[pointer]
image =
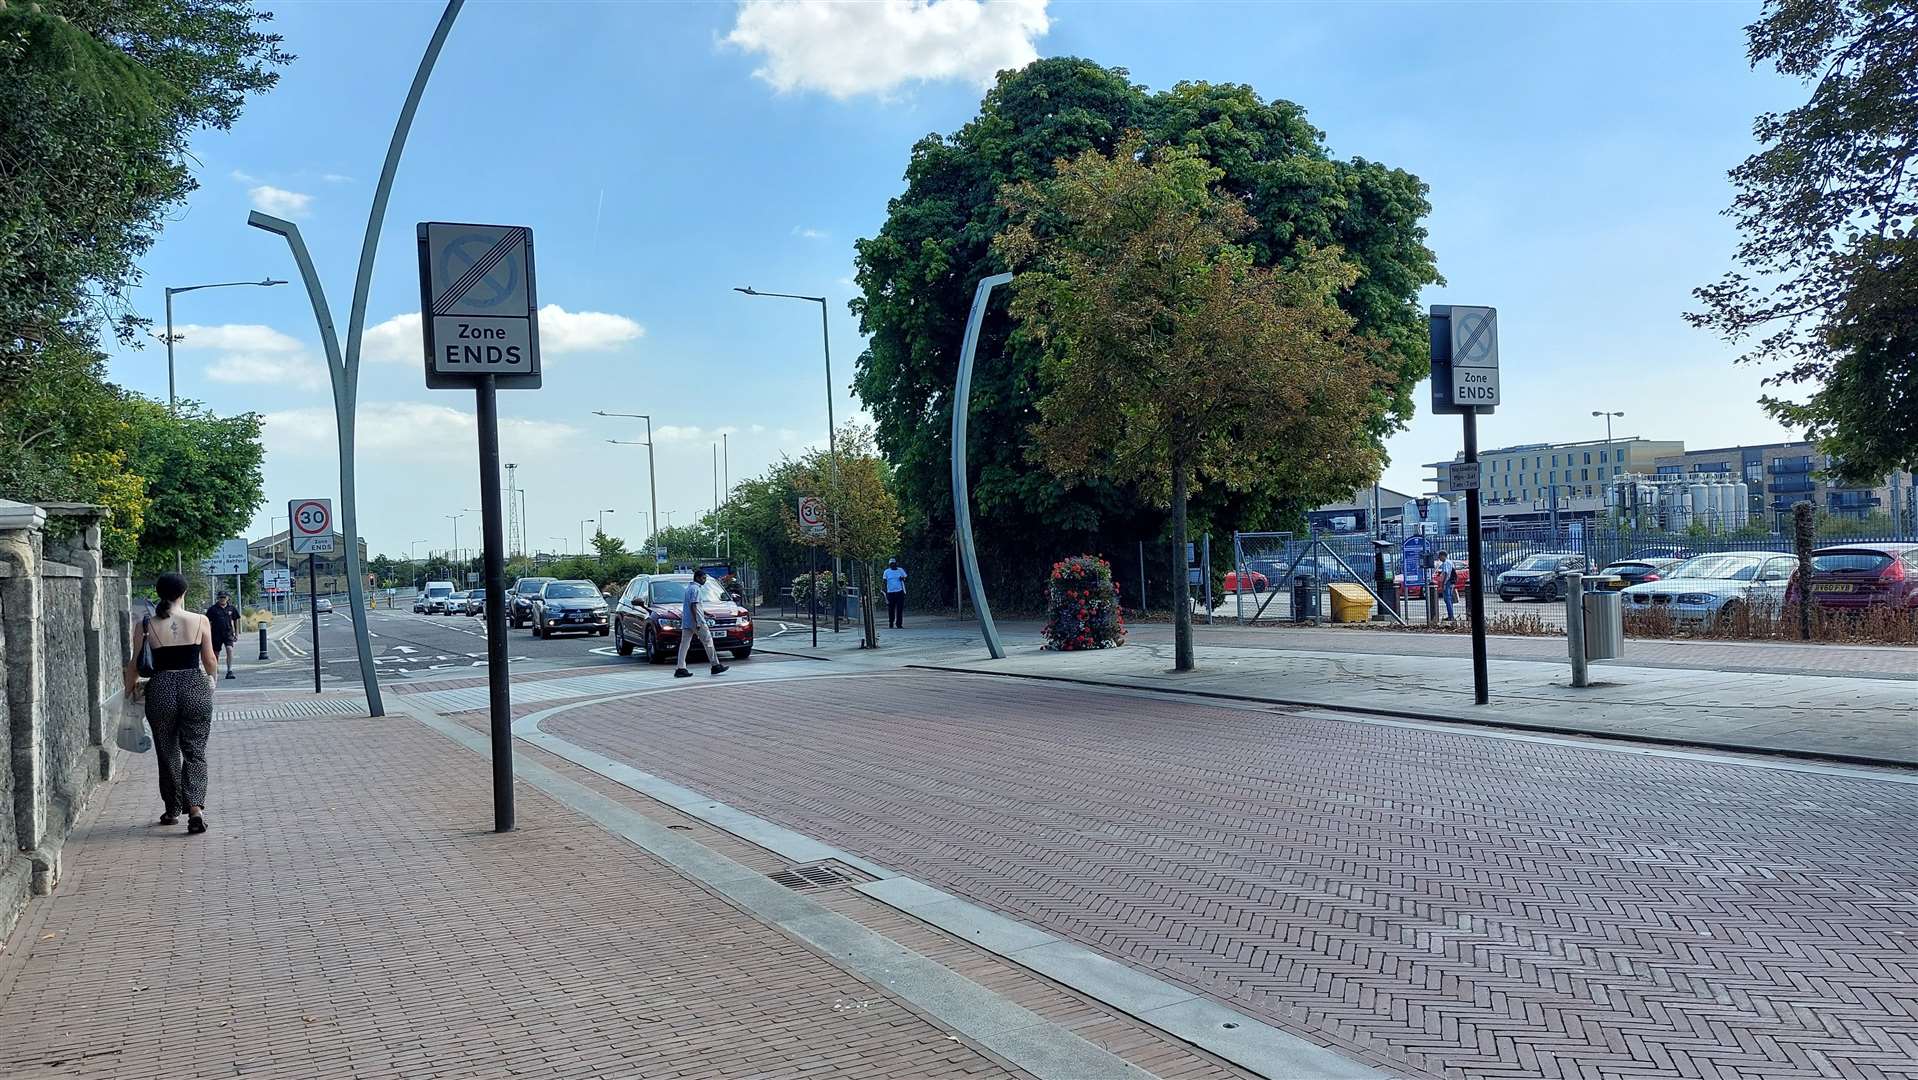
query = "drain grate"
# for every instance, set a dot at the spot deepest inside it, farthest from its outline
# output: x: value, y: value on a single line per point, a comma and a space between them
x: 818, y: 876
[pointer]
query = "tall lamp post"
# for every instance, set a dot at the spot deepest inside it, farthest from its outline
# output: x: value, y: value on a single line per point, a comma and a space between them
x: 652, y: 487
x: 832, y: 433
x: 175, y: 290
x: 1608, y: 422
x: 413, y: 561
x: 455, y: 519
x: 561, y: 541
x: 583, y: 522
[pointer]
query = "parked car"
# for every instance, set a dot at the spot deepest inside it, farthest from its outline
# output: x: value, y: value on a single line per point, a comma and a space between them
x: 1254, y: 581
x: 1707, y: 589
x: 1541, y: 576
x: 1854, y: 577
x: 323, y: 606
x: 1628, y: 572
x: 437, y: 593
x: 519, y: 600
x: 1461, y: 568
x: 1660, y: 551
x: 648, y: 613
x: 568, y: 607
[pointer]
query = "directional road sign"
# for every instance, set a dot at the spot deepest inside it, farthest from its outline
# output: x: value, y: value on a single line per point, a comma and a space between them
x: 478, y: 304
x: 277, y: 579
x: 812, y: 515
x: 229, y: 559
x: 312, y: 526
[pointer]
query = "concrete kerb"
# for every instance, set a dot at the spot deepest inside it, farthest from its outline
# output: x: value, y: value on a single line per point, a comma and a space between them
x: 1439, y: 716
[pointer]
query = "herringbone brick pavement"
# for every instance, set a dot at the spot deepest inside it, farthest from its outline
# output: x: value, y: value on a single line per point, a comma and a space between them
x: 351, y: 915
x: 1443, y: 903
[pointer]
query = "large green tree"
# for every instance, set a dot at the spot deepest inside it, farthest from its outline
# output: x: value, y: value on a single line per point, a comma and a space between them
x: 1826, y: 289
x: 1155, y: 318
x: 203, y: 479
x: 917, y: 277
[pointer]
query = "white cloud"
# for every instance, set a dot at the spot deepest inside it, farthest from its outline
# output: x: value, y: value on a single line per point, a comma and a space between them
x: 410, y: 432
x: 336, y: 178
x: 677, y: 433
x: 234, y: 337
x: 849, y: 49
x: 805, y: 233
x: 397, y: 340
x: 244, y: 177
x: 280, y: 202
x: 296, y: 370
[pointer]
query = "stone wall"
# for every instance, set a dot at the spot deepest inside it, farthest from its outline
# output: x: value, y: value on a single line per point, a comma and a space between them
x: 63, y: 637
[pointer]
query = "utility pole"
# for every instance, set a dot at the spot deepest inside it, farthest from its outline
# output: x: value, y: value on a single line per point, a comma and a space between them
x: 513, y: 537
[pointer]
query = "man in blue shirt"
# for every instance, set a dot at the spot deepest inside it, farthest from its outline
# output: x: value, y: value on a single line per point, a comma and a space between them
x: 692, y: 620
x: 895, y: 595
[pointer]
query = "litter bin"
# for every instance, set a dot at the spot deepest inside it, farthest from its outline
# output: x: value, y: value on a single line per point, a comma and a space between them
x: 1305, y: 598
x: 1350, y: 603
x: 1604, y: 625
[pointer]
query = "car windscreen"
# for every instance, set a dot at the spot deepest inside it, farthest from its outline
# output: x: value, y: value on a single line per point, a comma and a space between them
x: 438, y: 590
x: 527, y: 586
x: 674, y: 592
x: 1728, y: 567
x: 1850, y: 562
x: 563, y: 591
x: 1539, y: 562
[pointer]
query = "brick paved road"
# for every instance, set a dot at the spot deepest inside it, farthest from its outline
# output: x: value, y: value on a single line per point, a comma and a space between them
x: 348, y: 916
x: 1453, y: 905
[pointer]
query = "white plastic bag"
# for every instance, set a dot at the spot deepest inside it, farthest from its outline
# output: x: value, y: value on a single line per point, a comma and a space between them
x: 132, y: 733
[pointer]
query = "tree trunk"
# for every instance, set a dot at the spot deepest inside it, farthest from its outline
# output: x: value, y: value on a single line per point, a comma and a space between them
x: 866, y: 608
x: 1181, y: 585
x: 1805, y: 537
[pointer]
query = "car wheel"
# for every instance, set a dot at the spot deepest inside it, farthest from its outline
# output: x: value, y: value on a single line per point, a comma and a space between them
x: 652, y: 647
x: 1557, y: 594
x: 741, y: 654
x: 1732, y: 610
x: 620, y: 644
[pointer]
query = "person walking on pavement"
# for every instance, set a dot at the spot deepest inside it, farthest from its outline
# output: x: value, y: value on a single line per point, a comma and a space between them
x: 895, y: 595
x: 225, y: 622
x: 179, y: 698
x: 1445, y: 576
x: 692, y: 620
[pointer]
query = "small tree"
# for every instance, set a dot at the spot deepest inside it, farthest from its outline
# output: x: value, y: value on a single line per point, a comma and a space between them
x: 1172, y: 358
x: 861, y: 506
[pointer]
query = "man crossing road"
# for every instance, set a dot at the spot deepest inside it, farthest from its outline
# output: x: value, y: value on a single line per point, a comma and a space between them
x: 692, y: 620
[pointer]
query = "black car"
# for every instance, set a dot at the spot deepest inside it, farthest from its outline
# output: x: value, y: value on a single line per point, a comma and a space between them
x: 566, y: 607
x: 519, y: 600
x: 1541, y: 576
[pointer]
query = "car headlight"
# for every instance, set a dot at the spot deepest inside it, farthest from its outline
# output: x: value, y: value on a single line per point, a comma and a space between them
x: 1695, y: 599
x: 745, y: 623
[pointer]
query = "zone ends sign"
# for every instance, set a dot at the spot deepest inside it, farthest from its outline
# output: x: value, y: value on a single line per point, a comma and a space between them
x: 1464, y: 358
x: 479, y: 307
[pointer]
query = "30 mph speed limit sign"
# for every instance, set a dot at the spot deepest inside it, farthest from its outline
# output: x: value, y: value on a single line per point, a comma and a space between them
x: 312, y: 526
x: 812, y: 515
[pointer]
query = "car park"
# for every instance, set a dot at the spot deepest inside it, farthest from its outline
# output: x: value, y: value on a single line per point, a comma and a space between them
x: 1625, y: 573
x: 1541, y: 576
x: 569, y: 607
x: 1857, y: 577
x: 647, y: 618
x: 1708, y: 589
x: 1461, y: 569
x: 519, y: 600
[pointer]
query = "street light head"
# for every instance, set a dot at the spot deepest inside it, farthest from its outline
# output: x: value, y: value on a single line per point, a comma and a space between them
x: 747, y: 289
x: 272, y: 281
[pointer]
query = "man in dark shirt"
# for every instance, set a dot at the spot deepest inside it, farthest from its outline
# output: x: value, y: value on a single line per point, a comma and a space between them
x: 225, y: 622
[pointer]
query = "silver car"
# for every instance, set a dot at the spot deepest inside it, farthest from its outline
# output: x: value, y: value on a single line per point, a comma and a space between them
x: 1704, y: 590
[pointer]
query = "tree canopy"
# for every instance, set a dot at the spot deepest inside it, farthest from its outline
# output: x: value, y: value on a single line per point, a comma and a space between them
x: 1172, y: 361
x: 917, y: 277
x: 1826, y: 288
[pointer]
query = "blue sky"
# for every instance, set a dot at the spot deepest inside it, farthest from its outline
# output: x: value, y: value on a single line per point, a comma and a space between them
x: 1576, y: 154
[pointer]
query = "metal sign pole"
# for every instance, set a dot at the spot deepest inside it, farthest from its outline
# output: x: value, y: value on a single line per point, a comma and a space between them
x: 812, y: 596
x: 498, y: 677
x: 1475, y: 600
x: 313, y: 612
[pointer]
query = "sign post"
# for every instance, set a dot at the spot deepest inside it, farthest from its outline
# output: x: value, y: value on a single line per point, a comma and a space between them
x: 480, y: 318
x: 812, y: 521
x: 310, y: 531
x: 1465, y: 381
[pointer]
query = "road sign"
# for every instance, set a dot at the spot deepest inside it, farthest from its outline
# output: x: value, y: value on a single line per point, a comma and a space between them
x: 277, y: 579
x: 1461, y: 476
x: 478, y: 304
x: 812, y: 515
x: 1412, y: 557
x: 229, y: 559
x: 311, y: 526
x: 1464, y: 347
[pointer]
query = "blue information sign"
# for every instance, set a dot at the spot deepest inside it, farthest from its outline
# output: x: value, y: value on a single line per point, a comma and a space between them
x: 1412, y: 556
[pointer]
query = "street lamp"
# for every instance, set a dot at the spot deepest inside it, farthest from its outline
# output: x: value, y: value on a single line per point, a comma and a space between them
x: 832, y: 438
x: 1608, y: 422
x: 413, y: 560
x: 652, y: 487
x: 455, y: 519
x: 583, y: 522
x: 171, y: 290
x: 561, y: 541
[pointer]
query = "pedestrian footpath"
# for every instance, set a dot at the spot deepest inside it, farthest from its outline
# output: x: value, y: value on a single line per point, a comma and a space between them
x: 351, y: 913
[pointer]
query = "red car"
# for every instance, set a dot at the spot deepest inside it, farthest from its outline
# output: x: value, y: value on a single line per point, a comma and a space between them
x: 1417, y: 589
x: 648, y: 613
x: 1853, y: 577
x: 1253, y: 580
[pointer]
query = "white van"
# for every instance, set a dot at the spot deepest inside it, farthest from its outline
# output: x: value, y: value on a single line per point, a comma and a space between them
x: 437, y: 594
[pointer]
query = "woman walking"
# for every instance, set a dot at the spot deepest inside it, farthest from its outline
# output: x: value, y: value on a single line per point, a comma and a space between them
x: 179, y: 699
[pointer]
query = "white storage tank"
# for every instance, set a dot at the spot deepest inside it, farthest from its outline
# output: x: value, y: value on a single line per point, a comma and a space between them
x: 1727, y: 508
x: 1741, y: 504
x: 1702, y: 503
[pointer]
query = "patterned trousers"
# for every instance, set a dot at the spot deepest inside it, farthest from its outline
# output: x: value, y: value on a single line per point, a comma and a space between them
x: 180, y: 712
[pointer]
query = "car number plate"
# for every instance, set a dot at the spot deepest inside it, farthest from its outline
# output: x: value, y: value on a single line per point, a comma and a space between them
x: 1831, y: 587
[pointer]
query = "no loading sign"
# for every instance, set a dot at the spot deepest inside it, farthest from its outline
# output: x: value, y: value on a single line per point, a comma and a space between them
x: 481, y: 313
